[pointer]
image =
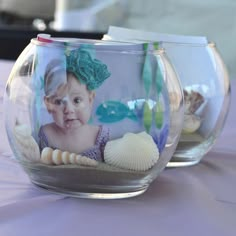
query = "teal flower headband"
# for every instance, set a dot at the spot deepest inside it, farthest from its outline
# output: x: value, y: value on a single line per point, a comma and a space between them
x: 87, y: 70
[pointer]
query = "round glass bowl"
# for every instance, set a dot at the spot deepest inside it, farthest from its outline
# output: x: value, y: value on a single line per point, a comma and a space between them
x: 206, y: 88
x: 93, y: 119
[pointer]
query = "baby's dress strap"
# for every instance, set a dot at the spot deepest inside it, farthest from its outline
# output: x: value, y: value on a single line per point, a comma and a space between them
x: 43, y: 141
x: 102, y: 138
x: 96, y: 152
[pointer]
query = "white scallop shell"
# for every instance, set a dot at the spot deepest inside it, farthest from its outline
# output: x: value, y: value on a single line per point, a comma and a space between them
x: 133, y: 151
x: 26, y: 144
x: 58, y: 157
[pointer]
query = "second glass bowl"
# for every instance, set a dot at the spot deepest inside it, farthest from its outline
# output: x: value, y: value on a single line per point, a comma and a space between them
x: 205, y: 84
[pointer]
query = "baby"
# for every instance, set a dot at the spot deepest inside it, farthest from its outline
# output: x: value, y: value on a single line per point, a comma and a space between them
x: 69, y: 96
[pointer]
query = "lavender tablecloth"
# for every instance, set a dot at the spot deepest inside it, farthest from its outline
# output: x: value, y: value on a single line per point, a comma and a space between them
x: 197, y: 200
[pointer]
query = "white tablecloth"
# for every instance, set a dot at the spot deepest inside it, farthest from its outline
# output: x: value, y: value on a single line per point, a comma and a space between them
x: 196, y: 200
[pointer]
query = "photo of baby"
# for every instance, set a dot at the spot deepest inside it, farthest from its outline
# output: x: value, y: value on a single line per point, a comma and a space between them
x: 69, y: 87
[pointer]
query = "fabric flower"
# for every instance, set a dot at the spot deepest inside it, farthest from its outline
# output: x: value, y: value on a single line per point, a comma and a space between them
x: 87, y: 70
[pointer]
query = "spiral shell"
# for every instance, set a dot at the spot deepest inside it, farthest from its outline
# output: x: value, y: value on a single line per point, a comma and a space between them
x: 26, y: 145
x: 136, y: 152
x: 58, y: 157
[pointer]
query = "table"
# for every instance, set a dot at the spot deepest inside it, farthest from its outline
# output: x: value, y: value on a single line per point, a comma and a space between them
x: 196, y: 200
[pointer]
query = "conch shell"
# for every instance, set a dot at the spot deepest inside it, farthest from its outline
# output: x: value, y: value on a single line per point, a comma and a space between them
x: 193, y: 100
x: 50, y: 156
x: 136, y: 152
x: 26, y: 145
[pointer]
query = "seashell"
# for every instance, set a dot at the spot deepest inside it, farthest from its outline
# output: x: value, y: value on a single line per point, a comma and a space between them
x: 72, y: 158
x: 25, y: 142
x: 65, y: 157
x: 191, y: 123
x: 133, y: 151
x: 58, y: 157
x: 22, y: 130
x: 46, y: 156
x: 193, y: 100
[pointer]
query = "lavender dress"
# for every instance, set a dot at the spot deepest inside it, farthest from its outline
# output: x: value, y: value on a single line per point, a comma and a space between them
x: 95, y: 152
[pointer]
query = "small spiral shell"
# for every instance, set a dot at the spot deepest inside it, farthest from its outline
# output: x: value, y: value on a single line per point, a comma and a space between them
x: 58, y: 157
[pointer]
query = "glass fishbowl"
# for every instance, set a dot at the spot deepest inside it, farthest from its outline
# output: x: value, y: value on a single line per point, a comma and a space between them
x: 206, y: 86
x: 205, y: 83
x: 93, y: 119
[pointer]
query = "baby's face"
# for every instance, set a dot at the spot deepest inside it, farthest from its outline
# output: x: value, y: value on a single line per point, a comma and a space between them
x: 71, y: 105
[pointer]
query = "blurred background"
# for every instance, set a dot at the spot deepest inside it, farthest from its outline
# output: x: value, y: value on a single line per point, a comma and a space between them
x: 21, y: 20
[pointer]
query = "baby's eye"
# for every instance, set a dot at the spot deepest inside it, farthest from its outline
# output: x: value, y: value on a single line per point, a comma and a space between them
x: 77, y: 100
x: 58, y: 102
